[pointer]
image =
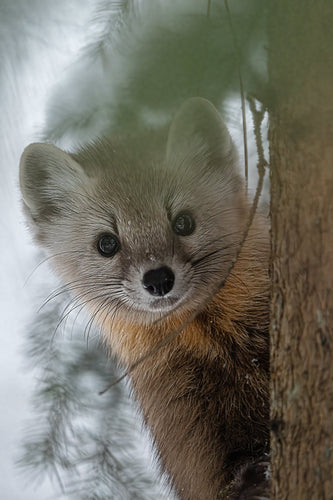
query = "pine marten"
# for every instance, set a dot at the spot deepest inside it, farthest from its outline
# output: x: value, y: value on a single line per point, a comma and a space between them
x: 144, y: 228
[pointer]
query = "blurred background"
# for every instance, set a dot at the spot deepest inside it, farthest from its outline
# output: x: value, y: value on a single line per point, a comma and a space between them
x: 37, y: 41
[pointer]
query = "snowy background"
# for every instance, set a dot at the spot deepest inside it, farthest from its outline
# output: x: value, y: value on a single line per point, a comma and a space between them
x: 37, y: 41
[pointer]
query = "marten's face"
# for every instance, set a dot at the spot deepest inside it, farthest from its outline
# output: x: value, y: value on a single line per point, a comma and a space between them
x: 136, y: 238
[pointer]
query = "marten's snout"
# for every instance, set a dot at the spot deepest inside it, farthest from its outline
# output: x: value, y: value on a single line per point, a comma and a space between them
x: 158, y: 282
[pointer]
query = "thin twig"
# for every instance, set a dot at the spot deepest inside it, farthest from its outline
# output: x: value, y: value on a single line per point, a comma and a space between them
x: 258, y: 116
x: 238, y: 59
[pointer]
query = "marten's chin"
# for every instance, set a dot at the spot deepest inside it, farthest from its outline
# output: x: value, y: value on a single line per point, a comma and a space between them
x: 163, y: 304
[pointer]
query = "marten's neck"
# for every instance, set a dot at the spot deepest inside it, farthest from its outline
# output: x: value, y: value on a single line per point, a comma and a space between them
x: 207, y: 416
x: 205, y: 395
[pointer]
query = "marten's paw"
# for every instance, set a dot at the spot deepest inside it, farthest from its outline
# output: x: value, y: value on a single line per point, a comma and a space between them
x: 252, y: 482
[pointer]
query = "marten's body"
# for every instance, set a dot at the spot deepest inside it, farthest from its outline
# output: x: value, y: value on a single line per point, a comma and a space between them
x: 205, y: 395
x: 144, y: 230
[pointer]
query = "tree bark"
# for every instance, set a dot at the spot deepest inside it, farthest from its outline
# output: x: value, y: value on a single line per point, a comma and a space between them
x: 301, y: 159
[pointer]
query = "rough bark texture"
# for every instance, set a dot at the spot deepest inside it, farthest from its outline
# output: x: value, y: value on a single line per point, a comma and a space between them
x: 301, y: 156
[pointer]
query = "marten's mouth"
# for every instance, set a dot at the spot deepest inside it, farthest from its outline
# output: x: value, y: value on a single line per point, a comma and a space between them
x: 163, y: 304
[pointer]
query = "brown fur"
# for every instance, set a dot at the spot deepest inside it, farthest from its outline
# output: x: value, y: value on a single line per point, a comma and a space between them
x: 205, y: 395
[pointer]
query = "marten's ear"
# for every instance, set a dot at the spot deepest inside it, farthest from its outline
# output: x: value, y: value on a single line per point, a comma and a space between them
x: 48, y: 178
x: 198, y: 132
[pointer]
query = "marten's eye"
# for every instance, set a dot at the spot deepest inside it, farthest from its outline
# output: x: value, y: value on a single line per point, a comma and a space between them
x: 108, y: 244
x: 183, y: 224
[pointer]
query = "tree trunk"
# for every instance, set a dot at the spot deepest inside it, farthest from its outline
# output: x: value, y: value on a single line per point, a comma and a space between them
x: 301, y: 157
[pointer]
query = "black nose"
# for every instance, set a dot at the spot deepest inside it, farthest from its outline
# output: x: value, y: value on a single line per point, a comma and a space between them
x: 159, y: 281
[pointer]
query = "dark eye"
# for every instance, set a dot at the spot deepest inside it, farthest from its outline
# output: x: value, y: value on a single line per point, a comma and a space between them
x: 183, y: 224
x: 108, y: 245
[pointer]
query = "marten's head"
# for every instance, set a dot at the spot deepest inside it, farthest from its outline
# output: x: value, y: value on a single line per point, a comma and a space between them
x: 140, y: 225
